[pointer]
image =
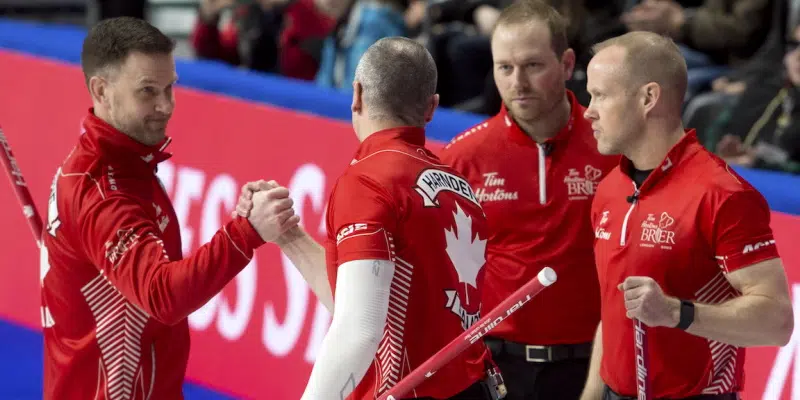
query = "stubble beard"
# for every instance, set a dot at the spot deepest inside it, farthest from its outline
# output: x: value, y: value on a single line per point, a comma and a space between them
x: 138, y: 131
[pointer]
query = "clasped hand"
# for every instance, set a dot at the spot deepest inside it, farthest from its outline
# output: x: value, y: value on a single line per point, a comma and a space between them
x: 268, y: 207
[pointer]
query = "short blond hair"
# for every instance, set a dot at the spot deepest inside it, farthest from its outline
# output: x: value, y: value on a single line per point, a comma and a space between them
x: 650, y: 57
x: 525, y: 11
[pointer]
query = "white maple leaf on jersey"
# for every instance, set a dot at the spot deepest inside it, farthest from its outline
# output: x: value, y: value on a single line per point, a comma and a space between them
x: 468, y: 256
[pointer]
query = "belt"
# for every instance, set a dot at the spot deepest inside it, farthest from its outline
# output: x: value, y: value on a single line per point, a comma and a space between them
x: 538, y: 353
x: 609, y: 394
x: 487, y: 389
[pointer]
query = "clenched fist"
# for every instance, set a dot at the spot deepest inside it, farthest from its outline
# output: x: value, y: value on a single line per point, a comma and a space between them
x: 645, y: 301
x: 272, y: 214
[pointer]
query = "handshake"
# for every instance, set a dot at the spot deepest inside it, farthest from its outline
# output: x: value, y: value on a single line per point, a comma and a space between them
x: 268, y: 207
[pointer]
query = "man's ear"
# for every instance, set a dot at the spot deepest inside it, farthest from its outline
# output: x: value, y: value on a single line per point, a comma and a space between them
x: 568, y: 63
x: 358, y: 92
x: 651, y: 94
x: 98, y: 89
x: 431, y: 108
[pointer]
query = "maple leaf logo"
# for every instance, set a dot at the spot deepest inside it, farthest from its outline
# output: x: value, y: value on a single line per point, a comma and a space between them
x: 468, y: 256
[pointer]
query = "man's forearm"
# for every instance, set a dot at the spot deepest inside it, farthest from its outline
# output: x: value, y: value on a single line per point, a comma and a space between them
x: 594, y: 384
x: 746, y: 321
x: 349, y: 347
x: 308, y: 257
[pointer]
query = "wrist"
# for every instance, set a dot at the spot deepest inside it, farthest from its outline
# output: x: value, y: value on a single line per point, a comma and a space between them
x: 687, y: 311
x: 289, y: 236
x: 674, y: 311
x: 247, y: 231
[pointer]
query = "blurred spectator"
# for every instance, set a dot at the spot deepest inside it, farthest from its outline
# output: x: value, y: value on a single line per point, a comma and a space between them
x: 714, y: 35
x: 704, y: 110
x: 460, y: 44
x: 763, y: 128
x: 121, y: 8
x: 280, y: 36
x: 363, y: 24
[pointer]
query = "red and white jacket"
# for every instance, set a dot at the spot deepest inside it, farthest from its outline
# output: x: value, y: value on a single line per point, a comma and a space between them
x: 397, y: 202
x: 116, y: 291
x: 537, y: 198
x: 690, y: 223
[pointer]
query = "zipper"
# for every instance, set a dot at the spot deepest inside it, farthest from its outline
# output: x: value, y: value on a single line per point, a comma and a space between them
x: 542, y: 175
x: 628, y: 215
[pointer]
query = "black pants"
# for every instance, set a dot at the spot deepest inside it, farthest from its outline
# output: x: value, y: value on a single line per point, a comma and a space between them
x: 478, y: 391
x: 609, y: 394
x: 558, y: 380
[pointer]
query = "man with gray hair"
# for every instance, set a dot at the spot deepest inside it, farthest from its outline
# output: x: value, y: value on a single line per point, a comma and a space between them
x: 406, y: 245
x: 397, y: 79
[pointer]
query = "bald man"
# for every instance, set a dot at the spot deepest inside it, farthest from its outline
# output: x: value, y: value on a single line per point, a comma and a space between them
x: 406, y: 245
x: 683, y: 245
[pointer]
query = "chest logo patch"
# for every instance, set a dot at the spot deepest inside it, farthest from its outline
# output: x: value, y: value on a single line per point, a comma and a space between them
x: 582, y: 187
x: 658, y: 231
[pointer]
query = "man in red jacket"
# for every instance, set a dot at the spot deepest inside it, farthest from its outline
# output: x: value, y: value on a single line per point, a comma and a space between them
x: 403, y: 264
x: 534, y: 167
x: 116, y: 292
x: 683, y: 244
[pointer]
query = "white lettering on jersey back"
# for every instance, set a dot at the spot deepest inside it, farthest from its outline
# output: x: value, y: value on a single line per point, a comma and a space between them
x: 433, y: 181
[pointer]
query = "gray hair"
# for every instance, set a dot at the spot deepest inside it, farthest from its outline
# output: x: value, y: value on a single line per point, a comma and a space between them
x: 398, y: 77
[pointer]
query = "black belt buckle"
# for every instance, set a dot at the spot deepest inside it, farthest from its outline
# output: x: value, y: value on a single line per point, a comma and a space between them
x: 532, y: 349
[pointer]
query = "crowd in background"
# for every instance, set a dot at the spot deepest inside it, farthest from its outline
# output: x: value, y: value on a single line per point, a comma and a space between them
x: 743, y: 56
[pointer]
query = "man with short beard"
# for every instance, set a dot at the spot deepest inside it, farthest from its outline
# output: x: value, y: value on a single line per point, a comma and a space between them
x: 116, y: 290
x: 535, y: 168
